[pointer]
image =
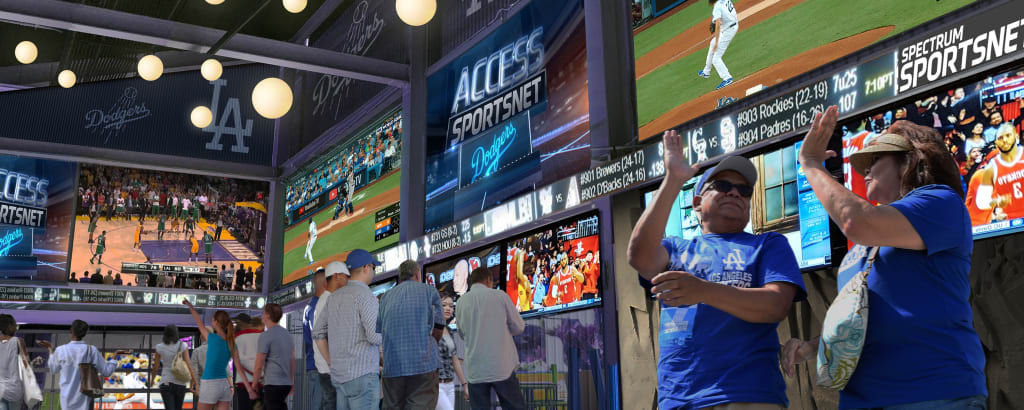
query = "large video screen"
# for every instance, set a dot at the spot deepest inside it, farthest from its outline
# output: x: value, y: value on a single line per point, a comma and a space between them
x: 164, y: 229
x: 981, y: 125
x: 555, y: 268
x: 451, y: 275
x: 783, y: 202
x: 36, y: 208
x: 347, y: 199
x: 509, y: 115
x: 758, y: 43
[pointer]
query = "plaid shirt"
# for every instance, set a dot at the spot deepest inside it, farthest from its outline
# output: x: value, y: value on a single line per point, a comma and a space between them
x: 408, y: 313
x: 348, y: 326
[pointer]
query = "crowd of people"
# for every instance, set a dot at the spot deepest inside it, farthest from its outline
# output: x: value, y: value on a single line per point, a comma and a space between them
x: 543, y: 272
x: 376, y: 154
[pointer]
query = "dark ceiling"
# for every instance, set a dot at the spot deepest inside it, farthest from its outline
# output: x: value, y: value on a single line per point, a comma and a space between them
x: 98, y: 58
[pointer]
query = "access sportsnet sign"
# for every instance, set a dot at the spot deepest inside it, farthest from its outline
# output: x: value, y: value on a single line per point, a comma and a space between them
x: 994, y: 35
x: 21, y: 198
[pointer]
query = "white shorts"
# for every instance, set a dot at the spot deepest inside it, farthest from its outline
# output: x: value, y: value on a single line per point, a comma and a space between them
x: 214, y: 391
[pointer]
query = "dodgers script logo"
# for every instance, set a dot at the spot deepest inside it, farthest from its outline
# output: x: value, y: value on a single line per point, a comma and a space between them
x: 9, y: 240
x: 330, y: 90
x: 111, y: 122
x: 485, y: 161
x: 219, y: 126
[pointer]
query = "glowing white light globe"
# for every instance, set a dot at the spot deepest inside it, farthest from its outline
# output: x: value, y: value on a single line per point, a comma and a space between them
x: 416, y: 12
x: 272, y: 98
x: 211, y: 69
x: 294, y: 6
x: 150, y: 67
x: 215, y: 2
x: 26, y: 52
x: 66, y: 78
x: 201, y: 116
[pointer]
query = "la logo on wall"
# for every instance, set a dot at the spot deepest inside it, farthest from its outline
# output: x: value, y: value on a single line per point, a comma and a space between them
x: 219, y: 126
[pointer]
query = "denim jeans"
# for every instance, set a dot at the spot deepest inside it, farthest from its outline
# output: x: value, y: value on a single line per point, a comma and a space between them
x: 314, y: 392
x: 965, y: 403
x: 360, y: 393
x: 173, y: 395
x: 509, y: 395
x: 10, y: 405
x: 330, y: 395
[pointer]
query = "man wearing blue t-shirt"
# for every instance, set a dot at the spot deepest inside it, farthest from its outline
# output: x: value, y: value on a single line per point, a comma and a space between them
x: 722, y: 293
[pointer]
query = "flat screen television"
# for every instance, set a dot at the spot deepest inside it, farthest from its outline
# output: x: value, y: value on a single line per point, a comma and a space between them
x: 555, y: 268
x: 451, y: 275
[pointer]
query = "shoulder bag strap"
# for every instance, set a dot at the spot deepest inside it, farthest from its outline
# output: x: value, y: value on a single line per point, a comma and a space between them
x: 872, y: 254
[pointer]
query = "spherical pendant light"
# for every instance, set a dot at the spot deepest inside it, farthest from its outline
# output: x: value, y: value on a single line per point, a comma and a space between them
x: 416, y: 12
x: 294, y: 6
x: 66, y: 79
x: 211, y: 69
x: 26, y: 52
x: 215, y: 2
x: 272, y: 98
x: 150, y: 67
x: 201, y: 116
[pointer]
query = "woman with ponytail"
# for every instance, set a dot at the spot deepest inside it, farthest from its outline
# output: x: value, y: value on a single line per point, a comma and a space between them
x: 214, y: 387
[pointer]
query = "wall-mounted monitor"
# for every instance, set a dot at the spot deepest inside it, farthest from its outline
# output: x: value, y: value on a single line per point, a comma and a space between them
x: 555, y: 268
x: 980, y: 123
x: 36, y: 211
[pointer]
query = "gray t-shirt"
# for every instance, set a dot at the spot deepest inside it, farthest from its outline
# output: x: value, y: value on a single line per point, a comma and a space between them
x: 277, y: 343
x: 10, y: 378
x: 167, y: 355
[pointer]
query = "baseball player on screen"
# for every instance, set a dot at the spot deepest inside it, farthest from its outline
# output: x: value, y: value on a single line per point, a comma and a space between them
x: 724, y: 24
x: 312, y: 240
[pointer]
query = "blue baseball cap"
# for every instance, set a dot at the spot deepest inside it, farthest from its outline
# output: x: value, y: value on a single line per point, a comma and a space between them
x: 359, y: 258
x: 736, y: 163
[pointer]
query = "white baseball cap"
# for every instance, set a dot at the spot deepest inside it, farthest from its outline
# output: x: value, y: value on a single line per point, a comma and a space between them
x: 335, y: 268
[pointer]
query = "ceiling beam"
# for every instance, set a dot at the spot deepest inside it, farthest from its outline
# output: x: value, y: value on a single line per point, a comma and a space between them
x: 316, y: 20
x: 112, y: 23
x: 238, y: 27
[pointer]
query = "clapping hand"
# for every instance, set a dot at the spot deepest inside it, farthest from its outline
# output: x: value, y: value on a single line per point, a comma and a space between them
x: 676, y: 164
x: 815, y: 146
x: 678, y: 288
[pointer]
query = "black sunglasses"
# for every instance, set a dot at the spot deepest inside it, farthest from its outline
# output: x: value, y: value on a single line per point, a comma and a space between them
x: 724, y: 187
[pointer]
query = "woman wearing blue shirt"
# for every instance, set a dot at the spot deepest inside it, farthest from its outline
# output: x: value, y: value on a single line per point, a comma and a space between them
x: 921, y: 350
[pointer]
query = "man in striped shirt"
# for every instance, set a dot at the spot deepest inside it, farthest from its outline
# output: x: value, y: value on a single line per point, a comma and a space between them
x: 346, y: 334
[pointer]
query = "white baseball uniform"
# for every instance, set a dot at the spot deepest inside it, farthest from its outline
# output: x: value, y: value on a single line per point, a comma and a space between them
x: 726, y: 12
x: 312, y: 240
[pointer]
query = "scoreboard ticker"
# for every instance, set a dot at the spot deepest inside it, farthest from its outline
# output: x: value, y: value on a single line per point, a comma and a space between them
x: 136, y: 296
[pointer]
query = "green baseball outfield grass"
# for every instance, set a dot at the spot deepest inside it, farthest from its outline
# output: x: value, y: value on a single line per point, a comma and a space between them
x: 807, y: 25
x: 357, y: 234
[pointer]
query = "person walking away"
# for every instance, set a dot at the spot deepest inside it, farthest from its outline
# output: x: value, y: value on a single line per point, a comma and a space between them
x: 920, y: 348
x: 12, y: 349
x: 172, y: 389
x: 214, y: 388
x: 336, y: 276
x: 65, y: 360
x: 312, y: 376
x: 488, y: 320
x: 275, y: 360
x: 451, y: 364
x: 247, y: 339
x: 347, y: 337
x: 410, y: 322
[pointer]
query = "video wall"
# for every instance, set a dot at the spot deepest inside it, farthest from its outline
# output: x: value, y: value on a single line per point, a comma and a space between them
x: 36, y: 209
x: 346, y: 199
x: 980, y: 123
x: 509, y: 115
x: 783, y: 202
x: 756, y: 44
x: 137, y: 227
